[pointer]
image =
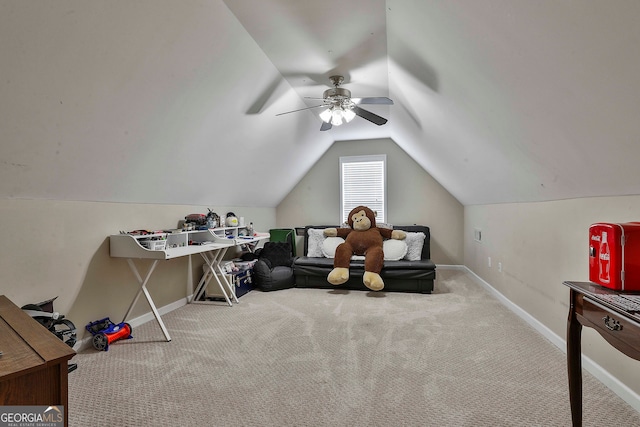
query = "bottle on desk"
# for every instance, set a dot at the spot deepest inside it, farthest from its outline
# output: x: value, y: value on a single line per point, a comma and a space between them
x: 605, y: 258
x: 250, y: 230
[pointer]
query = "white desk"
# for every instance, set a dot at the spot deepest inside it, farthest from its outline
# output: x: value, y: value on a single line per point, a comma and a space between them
x: 211, y: 244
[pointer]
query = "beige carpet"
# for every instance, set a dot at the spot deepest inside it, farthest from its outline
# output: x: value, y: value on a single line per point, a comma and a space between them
x: 311, y: 357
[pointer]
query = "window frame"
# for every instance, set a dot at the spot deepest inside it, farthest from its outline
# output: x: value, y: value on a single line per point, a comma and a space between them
x: 381, y: 217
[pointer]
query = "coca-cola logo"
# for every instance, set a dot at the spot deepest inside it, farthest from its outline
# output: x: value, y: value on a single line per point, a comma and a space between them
x: 595, y: 238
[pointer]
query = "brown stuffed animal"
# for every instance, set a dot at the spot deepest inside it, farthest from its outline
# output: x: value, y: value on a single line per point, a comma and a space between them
x: 363, y: 238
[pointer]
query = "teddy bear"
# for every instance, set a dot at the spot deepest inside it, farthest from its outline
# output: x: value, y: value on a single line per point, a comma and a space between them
x: 361, y: 238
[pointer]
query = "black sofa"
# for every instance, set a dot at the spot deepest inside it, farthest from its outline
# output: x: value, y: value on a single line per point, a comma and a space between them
x: 402, y: 275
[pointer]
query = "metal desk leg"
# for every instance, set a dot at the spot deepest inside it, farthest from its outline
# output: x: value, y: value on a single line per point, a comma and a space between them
x: 202, y: 284
x: 230, y: 286
x: 206, y: 279
x: 189, y: 278
x: 213, y: 260
x: 143, y: 289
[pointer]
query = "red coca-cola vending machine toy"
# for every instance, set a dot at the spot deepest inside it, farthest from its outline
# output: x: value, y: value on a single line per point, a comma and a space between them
x: 614, y: 255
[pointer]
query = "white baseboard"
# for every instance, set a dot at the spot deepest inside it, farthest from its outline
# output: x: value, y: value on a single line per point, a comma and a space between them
x: 613, y: 383
x: 87, y: 341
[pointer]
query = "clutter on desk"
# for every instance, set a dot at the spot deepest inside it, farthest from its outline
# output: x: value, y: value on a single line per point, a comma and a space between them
x: 232, y: 220
x: 213, y: 219
x: 154, y: 244
x: 139, y: 232
x: 199, y: 221
x: 156, y: 240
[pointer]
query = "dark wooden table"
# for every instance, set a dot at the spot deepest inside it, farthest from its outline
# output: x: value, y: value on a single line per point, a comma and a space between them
x: 621, y: 329
x: 33, y: 364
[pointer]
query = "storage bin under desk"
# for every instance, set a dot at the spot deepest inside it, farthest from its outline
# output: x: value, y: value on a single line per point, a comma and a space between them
x: 242, y: 284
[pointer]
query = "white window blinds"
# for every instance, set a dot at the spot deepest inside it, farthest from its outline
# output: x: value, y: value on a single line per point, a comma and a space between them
x: 363, y: 181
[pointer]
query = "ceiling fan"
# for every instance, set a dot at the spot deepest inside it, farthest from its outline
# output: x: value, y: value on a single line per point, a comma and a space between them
x: 341, y: 108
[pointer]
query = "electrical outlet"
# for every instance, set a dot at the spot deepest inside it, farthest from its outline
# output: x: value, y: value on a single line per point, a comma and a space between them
x: 477, y: 235
x: 500, y: 267
x: 489, y: 262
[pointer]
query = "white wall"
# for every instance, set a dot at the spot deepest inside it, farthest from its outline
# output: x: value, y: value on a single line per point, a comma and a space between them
x: 144, y: 102
x: 414, y: 197
x: 540, y: 245
x: 60, y: 248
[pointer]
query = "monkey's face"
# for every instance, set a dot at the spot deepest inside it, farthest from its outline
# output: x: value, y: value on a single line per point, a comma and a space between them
x: 360, y: 221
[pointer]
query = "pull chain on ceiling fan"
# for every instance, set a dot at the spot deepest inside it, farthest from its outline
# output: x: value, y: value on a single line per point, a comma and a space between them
x: 341, y: 108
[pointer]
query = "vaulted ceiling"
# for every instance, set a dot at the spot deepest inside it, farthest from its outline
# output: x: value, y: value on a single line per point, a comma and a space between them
x: 146, y: 101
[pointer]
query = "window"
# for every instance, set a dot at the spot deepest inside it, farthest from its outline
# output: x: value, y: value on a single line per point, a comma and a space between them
x: 363, y: 181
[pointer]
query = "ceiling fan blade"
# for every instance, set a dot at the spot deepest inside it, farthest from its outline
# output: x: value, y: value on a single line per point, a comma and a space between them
x: 301, y: 109
x: 380, y: 100
x: 325, y: 126
x: 267, y: 97
x: 368, y: 115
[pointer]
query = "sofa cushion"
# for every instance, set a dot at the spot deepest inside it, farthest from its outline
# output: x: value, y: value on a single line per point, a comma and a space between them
x: 327, y: 264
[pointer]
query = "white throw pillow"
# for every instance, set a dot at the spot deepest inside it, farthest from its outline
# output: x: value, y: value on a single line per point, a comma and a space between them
x: 316, y: 238
x: 329, y: 246
x: 394, y: 250
x: 414, y: 241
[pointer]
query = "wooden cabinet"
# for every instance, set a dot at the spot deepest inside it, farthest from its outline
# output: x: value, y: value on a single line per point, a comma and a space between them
x: 594, y: 306
x: 33, y: 364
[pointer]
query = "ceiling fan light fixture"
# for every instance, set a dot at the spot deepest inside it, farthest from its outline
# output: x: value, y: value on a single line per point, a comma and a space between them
x: 326, y: 115
x: 341, y: 108
x: 336, y: 116
x: 348, y: 114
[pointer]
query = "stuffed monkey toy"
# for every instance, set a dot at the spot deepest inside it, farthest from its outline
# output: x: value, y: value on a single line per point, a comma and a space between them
x: 362, y: 238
